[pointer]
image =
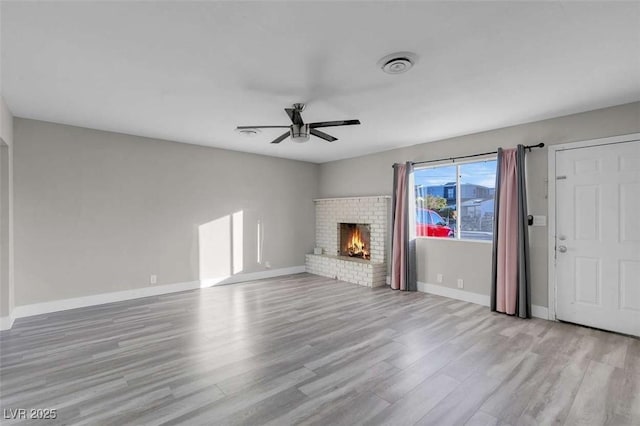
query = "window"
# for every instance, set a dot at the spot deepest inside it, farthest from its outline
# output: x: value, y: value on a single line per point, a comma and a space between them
x: 456, y: 201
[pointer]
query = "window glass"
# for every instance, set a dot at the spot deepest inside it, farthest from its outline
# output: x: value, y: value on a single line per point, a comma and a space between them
x: 441, y: 213
x: 477, y: 191
x: 435, y: 192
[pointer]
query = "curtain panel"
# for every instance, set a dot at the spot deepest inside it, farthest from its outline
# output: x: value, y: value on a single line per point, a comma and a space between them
x: 510, y: 277
x: 403, y: 244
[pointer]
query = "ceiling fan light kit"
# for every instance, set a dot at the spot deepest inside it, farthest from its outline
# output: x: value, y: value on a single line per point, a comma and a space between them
x: 299, y: 131
x: 398, y: 63
x: 300, y: 134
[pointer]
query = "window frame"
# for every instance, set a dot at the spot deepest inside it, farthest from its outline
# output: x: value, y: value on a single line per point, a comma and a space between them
x: 457, y: 164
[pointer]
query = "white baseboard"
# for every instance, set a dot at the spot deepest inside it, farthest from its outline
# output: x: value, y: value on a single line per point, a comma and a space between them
x: 454, y: 293
x: 478, y: 299
x: 119, y: 296
x: 540, y: 312
x: 250, y: 276
x: 100, y: 299
x: 7, y: 322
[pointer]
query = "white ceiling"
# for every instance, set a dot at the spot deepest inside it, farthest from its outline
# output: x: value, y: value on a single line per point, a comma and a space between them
x: 191, y: 72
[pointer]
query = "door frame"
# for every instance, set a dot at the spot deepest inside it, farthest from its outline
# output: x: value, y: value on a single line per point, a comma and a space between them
x: 551, y: 204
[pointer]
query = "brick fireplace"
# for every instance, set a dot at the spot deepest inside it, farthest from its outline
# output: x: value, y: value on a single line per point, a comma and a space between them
x: 352, y: 234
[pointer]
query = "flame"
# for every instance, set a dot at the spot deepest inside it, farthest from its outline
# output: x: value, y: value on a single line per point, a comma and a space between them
x: 356, y: 246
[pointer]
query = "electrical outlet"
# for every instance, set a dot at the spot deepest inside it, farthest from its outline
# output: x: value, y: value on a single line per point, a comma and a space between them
x: 460, y: 283
x: 267, y: 264
x: 153, y: 279
x: 439, y: 278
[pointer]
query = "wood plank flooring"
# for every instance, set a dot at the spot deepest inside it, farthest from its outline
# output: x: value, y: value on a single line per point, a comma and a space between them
x: 304, y: 349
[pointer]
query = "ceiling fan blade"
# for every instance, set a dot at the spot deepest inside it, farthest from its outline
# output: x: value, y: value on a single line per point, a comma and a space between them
x: 322, y: 135
x: 280, y: 138
x: 295, y: 116
x: 334, y: 123
x: 262, y: 127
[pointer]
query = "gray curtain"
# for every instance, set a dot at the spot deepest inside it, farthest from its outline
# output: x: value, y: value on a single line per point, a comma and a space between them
x: 403, y: 246
x: 510, y: 275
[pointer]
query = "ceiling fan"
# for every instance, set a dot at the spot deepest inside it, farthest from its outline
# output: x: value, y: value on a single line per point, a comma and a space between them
x: 299, y: 130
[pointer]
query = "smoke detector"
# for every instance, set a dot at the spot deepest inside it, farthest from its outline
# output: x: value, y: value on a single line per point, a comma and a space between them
x: 248, y: 133
x: 397, y: 63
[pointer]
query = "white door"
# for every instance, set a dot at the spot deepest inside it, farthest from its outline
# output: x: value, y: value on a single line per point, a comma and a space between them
x: 598, y: 236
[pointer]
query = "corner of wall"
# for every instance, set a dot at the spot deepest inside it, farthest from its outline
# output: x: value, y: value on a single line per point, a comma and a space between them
x: 6, y: 136
x: 6, y: 322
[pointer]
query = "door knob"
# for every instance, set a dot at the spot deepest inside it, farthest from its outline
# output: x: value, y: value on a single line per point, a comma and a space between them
x: 562, y: 249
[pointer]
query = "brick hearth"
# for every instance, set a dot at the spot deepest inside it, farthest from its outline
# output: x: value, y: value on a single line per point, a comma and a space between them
x: 329, y: 214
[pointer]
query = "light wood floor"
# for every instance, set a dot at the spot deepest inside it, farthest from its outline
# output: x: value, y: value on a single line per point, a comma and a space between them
x: 304, y: 349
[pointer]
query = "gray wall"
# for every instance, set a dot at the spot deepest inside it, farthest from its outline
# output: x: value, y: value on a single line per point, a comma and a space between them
x: 6, y: 211
x: 98, y: 212
x: 471, y: 260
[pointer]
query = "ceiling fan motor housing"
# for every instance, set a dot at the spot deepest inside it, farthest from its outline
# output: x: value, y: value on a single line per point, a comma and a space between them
x: 300, y: 133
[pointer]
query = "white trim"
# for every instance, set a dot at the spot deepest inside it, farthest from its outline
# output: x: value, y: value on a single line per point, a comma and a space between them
x: 454, y: 293
x: 7, y: 322
x: 551, y: 204
x: 478, y: 299
x: 551, y: 232
x: 352, y: 198
x: 250, y: 276
x: 118, y: 296
x: 539, y: 312
x: 595, y: 142
x: 100, y: 299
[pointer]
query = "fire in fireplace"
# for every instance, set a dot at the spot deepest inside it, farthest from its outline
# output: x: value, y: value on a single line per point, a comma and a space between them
x: 354, y: 240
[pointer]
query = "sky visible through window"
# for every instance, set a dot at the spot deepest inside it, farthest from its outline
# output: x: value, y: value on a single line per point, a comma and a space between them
x: 483, y: 173
x: 480, y: 173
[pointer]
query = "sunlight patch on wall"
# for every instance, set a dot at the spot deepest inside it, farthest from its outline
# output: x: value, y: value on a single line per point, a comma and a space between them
x: 259, y: 240
x: 215, y: 244
x: 221, y: 249
x: 237, y: 222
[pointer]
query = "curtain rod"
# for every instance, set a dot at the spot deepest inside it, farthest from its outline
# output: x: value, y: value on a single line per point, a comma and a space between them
x: 529, y: 147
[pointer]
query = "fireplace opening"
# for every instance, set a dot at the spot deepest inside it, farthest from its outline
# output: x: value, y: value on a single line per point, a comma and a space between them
x: 355, y: 240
